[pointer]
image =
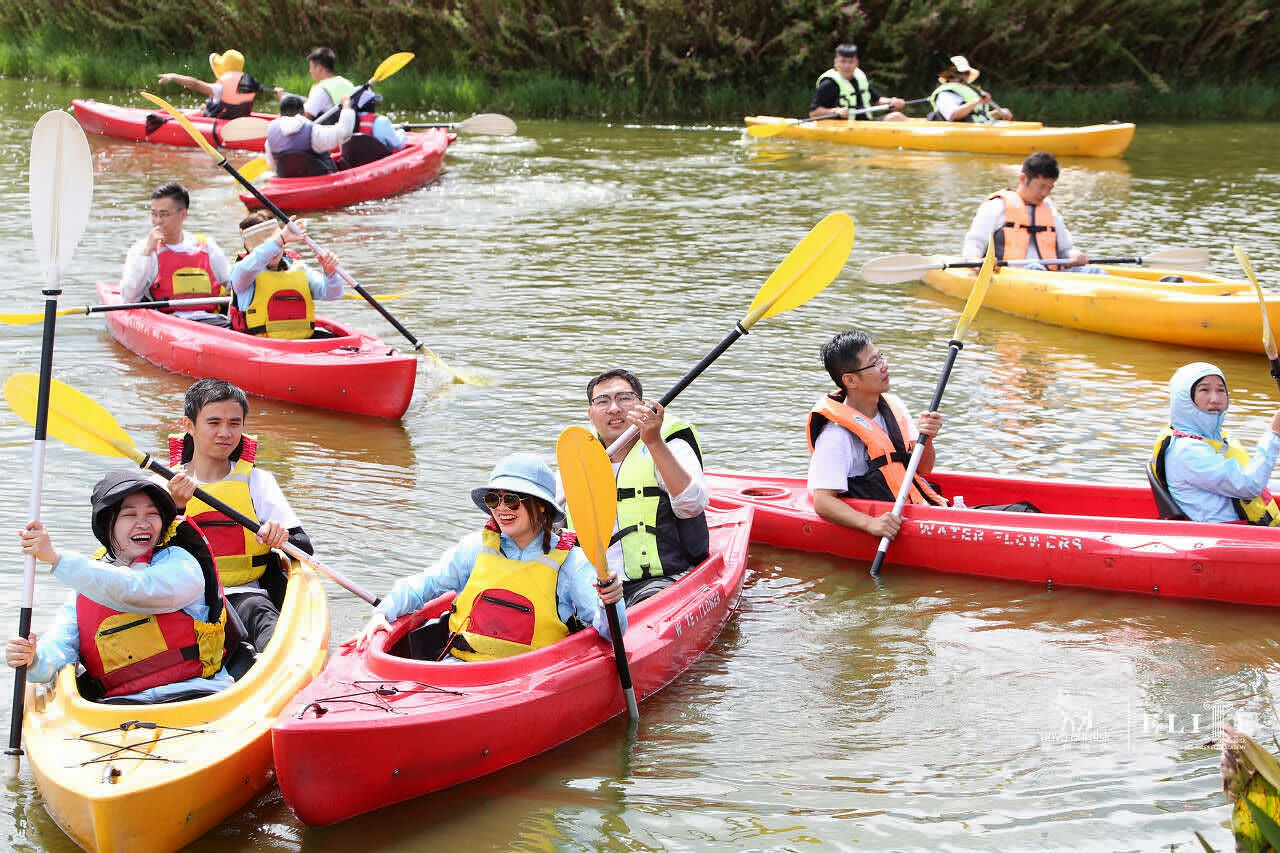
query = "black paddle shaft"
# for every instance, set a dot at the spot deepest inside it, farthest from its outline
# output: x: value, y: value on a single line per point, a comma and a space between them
x: 41, y: 434
x: 284, y: 217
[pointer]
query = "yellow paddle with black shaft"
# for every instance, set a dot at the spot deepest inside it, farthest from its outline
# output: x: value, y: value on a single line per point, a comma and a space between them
x: 79, y: 421
x: 221, y: 160
x: 28, y: 319
x: 1268, y: 339
x: 592, y: 495
x: 61, y: 194
x: 764, y: 131
x: 803, y: 274
x: 971, y: 307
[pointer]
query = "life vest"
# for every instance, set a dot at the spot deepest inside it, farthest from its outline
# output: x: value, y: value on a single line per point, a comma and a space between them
x: 184, y: 275
x: 1013, y: 238
x: 655, y: 541
x: 854, y: 94
x: 886, y: 449
x: 125, y: 652
x: 508, y: 606
x: 283, y: 143
x: 981, y: 113
x: 238, y: 92
x: 240, y: 557
x: 336, y: 88
x: 282, y: 306
x: 1261, y: 510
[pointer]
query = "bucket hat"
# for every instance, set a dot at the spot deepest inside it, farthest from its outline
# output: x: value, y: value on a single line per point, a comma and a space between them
x: 525, y: 474
x: 961, y: 65
x: 221, y: 63
x: 117, y: 485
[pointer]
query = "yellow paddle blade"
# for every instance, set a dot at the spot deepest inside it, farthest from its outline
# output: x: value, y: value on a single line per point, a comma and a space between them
x: 764, y: 131
x: 23, y: 319
x: 390, y: 65
x: 73, y: 417
x: 1268, y: 340
x: 590, y: 491
x: 812, y: 265
x: 978, y: 293
x: 388, y: 298
x: 195, y: 135
x: 254, y: 168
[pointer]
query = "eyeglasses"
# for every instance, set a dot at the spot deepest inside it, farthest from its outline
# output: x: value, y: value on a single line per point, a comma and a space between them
x: 623, y: 398
x: 508, y: 499
x: 879, y: 360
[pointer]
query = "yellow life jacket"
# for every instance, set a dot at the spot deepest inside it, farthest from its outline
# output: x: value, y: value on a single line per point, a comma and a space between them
x: 854, y: 94
x: 282, y: 306
x: 1014, y: 236
x: 508, y: 606
x: 240, y: 557
x: 1261, y: 510
x: 887, y: 451
x: 655, y: 541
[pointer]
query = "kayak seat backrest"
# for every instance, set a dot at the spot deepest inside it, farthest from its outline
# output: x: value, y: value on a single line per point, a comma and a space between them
x: 1166, y: 506
x: 427, y: 641
x: 361, y: 149
x: 303, y: 164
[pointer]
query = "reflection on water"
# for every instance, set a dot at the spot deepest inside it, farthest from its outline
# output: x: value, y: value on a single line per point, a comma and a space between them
x: 925, y: 713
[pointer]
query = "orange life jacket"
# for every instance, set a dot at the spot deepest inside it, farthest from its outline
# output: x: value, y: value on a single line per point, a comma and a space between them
x: 1013, y: 238
x: 886, y: 450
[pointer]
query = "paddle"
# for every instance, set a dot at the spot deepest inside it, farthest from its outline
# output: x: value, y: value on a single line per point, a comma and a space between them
x: 893, y: 269
x: 76, y: 419
x: 802, y: 275
x: 27, y: 319
x: 1268, y: 339
x: 494, y: 124
x: 388, y: 66
x: 764, y: 131
x: 61, y: 193
x: 971, y: 307
x: 591, y: 492
x: 245, y: 129
x: 221, y: 160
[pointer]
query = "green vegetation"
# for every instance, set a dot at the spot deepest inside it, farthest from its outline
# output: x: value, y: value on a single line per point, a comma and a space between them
x: 1072, y: 61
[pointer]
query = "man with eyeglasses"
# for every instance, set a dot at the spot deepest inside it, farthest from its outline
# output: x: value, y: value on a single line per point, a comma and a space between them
x: 170, y: 264
x: 662, y: 523
x: 861, y: 438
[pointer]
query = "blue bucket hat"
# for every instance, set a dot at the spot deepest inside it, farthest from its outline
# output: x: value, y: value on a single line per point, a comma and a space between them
x: 525, y: 474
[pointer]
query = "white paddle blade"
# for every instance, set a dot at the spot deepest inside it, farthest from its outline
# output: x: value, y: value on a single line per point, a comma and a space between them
x: 897, y: 268
x: 494, y: 124
x: 1186, y: 258
x: 244, y: 129
x: 61, y: 189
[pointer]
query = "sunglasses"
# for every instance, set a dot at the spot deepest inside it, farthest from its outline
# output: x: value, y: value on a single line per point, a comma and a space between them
x: 508, y: 499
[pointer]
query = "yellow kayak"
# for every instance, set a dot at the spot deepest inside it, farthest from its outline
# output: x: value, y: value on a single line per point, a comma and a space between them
x: 1203, y: 310
x: 157, y: 777
x: 1005, y: 137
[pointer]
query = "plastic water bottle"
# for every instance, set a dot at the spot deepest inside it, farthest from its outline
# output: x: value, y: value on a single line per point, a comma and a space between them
x: 958, y: 502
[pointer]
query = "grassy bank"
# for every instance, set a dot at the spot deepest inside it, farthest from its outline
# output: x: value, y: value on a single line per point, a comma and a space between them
x: 539, y: 94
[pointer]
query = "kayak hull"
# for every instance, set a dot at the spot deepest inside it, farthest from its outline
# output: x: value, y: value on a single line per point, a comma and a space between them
x: 1205, y: 311
x: 1092, y: 535
x: 1013, y: 137
x: 157, y: 777
x: 415, y: 165
x: 350, y: 372
x: 432, y: 725
x: 131, y: 123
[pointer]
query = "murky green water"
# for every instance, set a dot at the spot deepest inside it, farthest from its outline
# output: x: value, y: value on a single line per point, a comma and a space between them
x: 937, y: 713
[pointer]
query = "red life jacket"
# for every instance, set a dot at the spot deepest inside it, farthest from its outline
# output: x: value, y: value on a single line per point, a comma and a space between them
x: 184, y: 275
x: 1013, y: 238
x: 887, y: 451
x: 125, y: 653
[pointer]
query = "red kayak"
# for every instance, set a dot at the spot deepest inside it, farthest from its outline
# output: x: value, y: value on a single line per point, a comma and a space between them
x: 1093, y: 535
x: 378, y: 728
x: 351, y: 371
x: 155, y: 125
x: 413, y: 166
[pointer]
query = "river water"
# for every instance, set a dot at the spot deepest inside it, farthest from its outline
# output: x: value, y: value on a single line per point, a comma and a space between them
x: 933, y: 713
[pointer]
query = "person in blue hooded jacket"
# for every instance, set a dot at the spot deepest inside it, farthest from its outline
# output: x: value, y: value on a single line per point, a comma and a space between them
x: 1210, y: 476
